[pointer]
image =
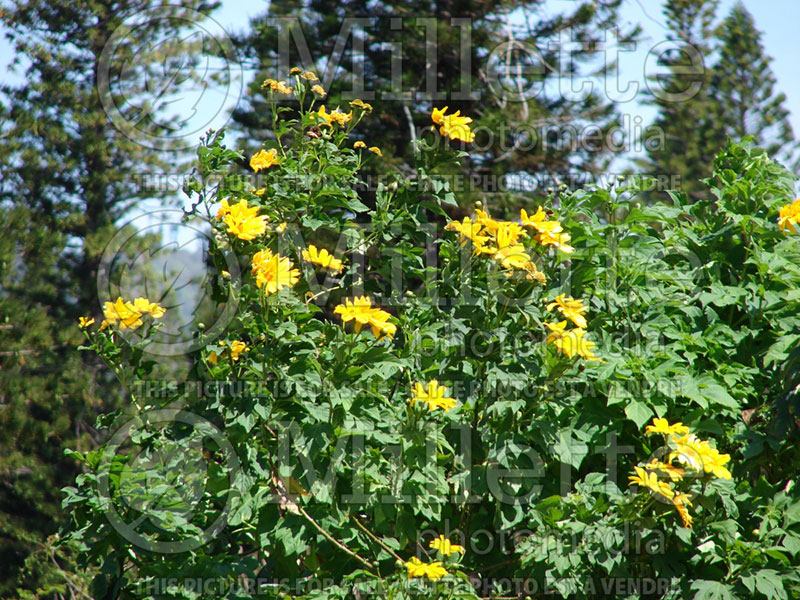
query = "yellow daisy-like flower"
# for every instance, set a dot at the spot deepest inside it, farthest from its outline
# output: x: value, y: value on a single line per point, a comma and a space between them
x: 433, y: 571
x: 144, y: 306
x: 363, y: 313
x: 309, y: 76
x: 674, y: 473
x: 468, y: 230
x: 433, y: 396
x: 662, y: 426
x: 558, y: 240
x: 213, y: 358
x: 273, y: 272
x: 123, y: 312
x: 336, y: 116
x: 700, y: 456
x: 651, y: 481
x: 789, y: 217
x: 322, y: 258
x: 237, y: 348
x: 318, y: 90
x: 571, y: 342
x: 444, y: 546
x: 367, y: 108
x: 295, y: 71
x: 244, y: 222
x: 85, y: 322
x: 507, y: 234
x: 513, y: 257
x: 264, y: 159
x: 681, y: 502
x: 538, y: 222
x: 570, y: 308
x: 453, y: 126
x: 277, y: 86
x: 359, y: 144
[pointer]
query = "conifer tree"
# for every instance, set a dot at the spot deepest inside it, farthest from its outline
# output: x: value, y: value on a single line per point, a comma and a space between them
x: 744, y: 90
x: 68, y: 175
x: 689, y: 131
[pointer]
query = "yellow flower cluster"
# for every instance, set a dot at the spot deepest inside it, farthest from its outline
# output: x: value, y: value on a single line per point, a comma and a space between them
x: 336, y: 116
x: 322, y: 258
x: 453, y: 126
x: 502, y: 240
x: 277, y: 86
x: 789, y: 217
x: 242, y: 220
x: 688, y: 450
x: 264, y: 159
x: 363, y: 313
x: 273, y: 272
x: 433, y: 396
x: 127, y: 314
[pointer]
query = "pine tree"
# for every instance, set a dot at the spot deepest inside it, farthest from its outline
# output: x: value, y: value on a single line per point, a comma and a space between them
x: 687, y: 133
x: 69, y: 174
x: 743, y: 84
x: 484, y: 53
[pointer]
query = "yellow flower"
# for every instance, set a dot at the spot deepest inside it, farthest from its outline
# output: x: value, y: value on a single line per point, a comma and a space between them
x: 213, y: 358
x: 295, y: 70
x: 433, y: 396
x: 281, y: 227
x: 309, y: 76
x: 363, y: 313
x: 224, y: 209
x: 244, y: 221
x: 538, y: 222
x: 433, y: 571
x: 273, y: 272
x: 359, y: 144
x: 123, y: 312
x: 277, y: 86
x: 144, y: 306
x: 322, y: 258
x: 468, y: 230
x: 362, y: 105
x: 663, y: 426
x: 570, y: 308
x: 512, y: 257
x: 650, y: 480
x: 437, y: 116
x: 85, y: 322
x: 700, y: 456
x: 318, y: 90
x: 445, y: 547
x: 263, y: 159
x: 571, y: 342
x: 453, y: 126
x: 674, y: 473
x: 237, y: 348
x: 559, y: 240
x: 681, y: 501
x: 789, y: 217
x: 334, y: 117
x: 260, y: 191
x: 375, y: 150
x: 508, y: 234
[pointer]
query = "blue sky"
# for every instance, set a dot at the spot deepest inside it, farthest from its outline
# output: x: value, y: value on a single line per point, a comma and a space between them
x: 777, y: 19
